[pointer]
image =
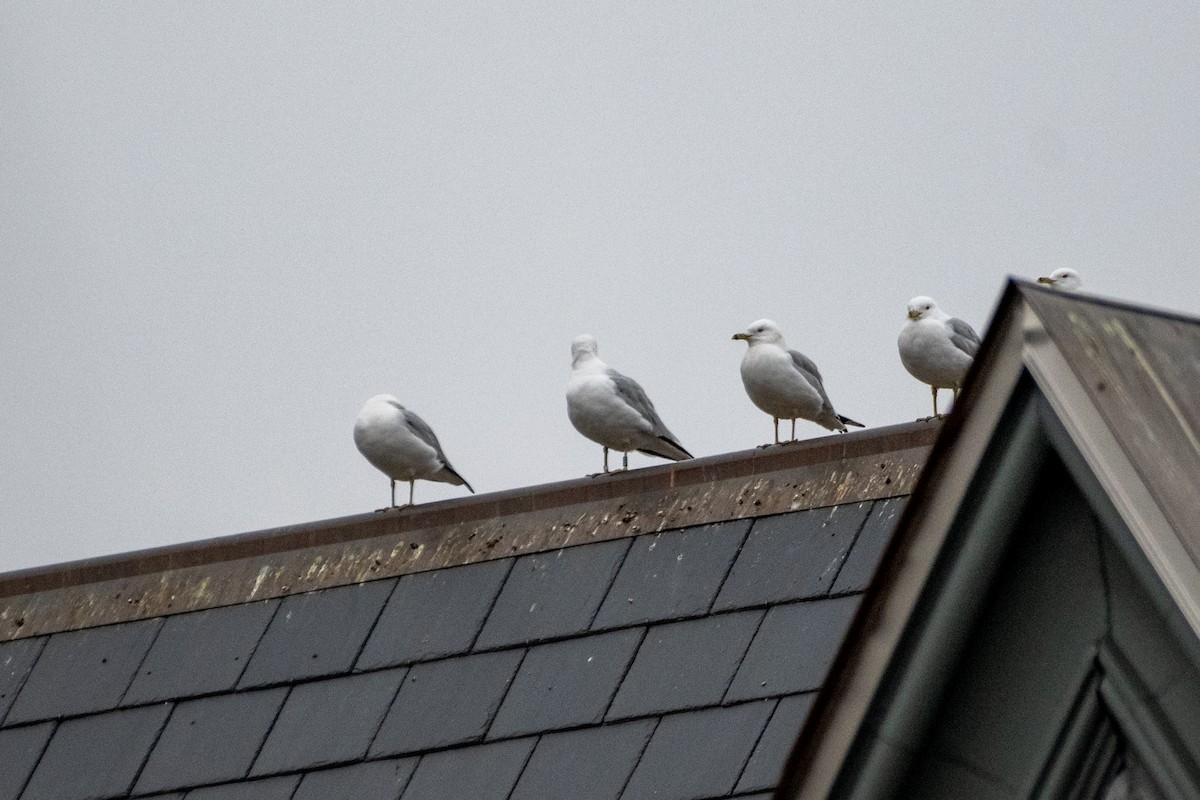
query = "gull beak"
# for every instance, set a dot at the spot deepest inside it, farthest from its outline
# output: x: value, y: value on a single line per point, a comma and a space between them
x: 1047, y: 281
x: 914, y: 314
x: 745, y: 337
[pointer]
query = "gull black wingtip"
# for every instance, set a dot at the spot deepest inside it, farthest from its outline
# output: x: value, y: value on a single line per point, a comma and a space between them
x: 671, y: 450
x: 680, y: 448
x: 461, y: 480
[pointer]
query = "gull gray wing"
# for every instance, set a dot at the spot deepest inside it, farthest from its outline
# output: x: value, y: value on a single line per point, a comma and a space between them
x: 963, y: 336
x: 421, y: 430
x: 635, y: 397
x: 805, y: 366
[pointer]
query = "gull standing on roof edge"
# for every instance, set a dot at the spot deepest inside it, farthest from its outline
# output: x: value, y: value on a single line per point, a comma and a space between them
x: 399, y: 444
x: 784, y: 383
x: 613, y: 410
x: 1066, y: 279
x: 936, y: 348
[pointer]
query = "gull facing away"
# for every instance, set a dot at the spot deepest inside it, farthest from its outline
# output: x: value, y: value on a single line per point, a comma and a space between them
x: 613, y: 410
x: 1066, y: 279
x: 784, y: 383
x: 399, y: 444
x: 936, y: 348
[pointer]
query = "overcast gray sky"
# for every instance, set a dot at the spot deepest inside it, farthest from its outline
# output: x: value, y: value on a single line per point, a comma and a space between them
x: 224, y: 227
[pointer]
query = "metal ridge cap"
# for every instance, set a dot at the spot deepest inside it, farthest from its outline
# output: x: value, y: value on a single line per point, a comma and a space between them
x: 664, y: 477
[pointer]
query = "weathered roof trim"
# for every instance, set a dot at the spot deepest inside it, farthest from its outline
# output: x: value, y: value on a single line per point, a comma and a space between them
x: 868, y: 465
x: 1119, y: 478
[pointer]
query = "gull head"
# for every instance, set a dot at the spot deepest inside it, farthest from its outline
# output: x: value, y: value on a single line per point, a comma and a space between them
x: 583, y: 346
x: 382, y: 401
x: 764, y: 331
x: 379, y: 410
x: 1066, y: 279
x: 922, y: 307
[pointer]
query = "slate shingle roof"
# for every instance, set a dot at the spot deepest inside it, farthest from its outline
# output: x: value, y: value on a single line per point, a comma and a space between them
x: 674, y: 664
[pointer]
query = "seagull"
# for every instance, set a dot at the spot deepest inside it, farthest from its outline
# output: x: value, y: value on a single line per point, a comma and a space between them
x: 1066, y: 279
x: 613, y: 410
x: 399, y: 444
x: 784, y: 383
x: 936, y: 348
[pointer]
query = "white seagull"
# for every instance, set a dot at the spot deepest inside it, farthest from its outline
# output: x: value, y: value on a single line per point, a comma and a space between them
x: 936, y: 348
x: 784, y: 383
x: 613, y: 410
x: 399, y: 444
x: 1066, y: 279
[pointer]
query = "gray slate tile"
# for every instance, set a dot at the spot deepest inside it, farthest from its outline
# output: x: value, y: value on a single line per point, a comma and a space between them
x: 672, y: 575
x: 20, y: 749
x: 210, y: 740
x: 83, y: 671
x: 434, y: 614
x: 868, y: 547
x: 685, y: 664
x: 698, y: 754
x: 552, y: 594
x: 200, y: 653
x: 16, y: 659
x: 446, y: 702
x: 268, y: 789
x: 97, y: 756
x: 766, y: 765
x: 328, y: 722
x: 485, y: 772
x: 315, y: 634
x: 793, y: 649
x: 791, y: 556
x: 564, y: 684
x: 587, y: 764
x: 375, y: 780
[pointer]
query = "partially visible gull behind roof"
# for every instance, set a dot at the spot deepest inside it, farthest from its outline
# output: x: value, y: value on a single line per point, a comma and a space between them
x: 659, y: 633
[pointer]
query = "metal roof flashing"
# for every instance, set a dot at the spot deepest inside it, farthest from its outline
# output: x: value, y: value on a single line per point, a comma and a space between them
x: 868, y: 465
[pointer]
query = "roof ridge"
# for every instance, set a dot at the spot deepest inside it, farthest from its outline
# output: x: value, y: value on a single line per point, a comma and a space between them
x: 273, y: 563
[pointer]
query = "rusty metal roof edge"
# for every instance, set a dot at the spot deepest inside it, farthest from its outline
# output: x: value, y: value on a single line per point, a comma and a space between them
x: 743, y: 463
